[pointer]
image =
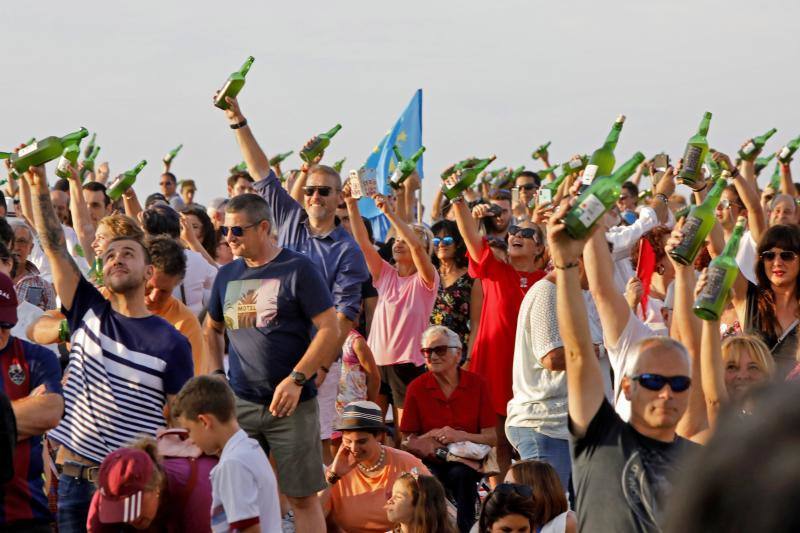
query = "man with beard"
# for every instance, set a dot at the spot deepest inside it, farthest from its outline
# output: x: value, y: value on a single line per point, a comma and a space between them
x: 125, y: 363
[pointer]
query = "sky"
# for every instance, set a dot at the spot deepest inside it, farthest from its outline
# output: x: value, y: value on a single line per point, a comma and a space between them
x: 497, y: 76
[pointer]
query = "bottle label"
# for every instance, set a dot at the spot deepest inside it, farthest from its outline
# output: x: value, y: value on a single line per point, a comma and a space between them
x: 62, y: 165
x: 355, y: 185
x: 451, y: 181
x: 28, y: 149
x: 589, y: 174
x: 397, y: 178
x: 368, y: 182
x: 691, y: 160
x: 749, y: 148
x: 690, y: 229
x: 785, y: 153
x: 714, y: 280
x: 591, y: 209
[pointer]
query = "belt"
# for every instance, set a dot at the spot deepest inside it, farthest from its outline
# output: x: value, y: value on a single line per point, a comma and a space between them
x: 79, y: 471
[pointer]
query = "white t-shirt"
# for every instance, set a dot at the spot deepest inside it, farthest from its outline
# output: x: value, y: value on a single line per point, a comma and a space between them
x: 197, y: 282
x: 243, y: 488
x: 746, y: 257
x: 540, y: 395
x: 27, y: 314
x: 621, y: 355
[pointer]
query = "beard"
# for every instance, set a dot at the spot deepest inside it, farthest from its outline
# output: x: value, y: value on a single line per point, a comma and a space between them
x: 125, y: 284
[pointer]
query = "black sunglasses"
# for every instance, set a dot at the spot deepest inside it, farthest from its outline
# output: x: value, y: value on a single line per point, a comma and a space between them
x: 785, y: 255
x: 525, y: 233
x: 656, y: 382
x: 323, y: 190
x: 527, y: 186
x: 439, y: 351
x: 236, y: 231
x: 514, y: 488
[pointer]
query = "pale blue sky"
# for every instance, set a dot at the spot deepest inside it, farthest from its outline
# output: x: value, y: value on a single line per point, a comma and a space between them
x: 498, y: 77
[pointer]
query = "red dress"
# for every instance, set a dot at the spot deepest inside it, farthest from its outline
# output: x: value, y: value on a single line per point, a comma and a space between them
x: 493, y: 352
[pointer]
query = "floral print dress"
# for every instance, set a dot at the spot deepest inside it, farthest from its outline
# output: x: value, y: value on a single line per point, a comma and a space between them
x: 451, y: 308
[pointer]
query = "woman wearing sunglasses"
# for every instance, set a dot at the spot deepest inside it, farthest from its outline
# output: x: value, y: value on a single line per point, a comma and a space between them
x: 460, y: 297
x: 406, y: 292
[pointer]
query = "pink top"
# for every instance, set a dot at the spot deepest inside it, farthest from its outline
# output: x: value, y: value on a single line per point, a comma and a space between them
x: 401, y: 316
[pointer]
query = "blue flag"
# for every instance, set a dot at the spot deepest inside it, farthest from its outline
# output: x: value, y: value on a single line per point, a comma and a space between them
x: 407, y: 136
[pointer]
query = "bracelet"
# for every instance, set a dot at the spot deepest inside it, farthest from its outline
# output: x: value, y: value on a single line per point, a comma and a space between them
x: 241, y: 124
x: 662, y: 197
x: 735, y: 173
x: 566, y: 267
x: 331, y: 477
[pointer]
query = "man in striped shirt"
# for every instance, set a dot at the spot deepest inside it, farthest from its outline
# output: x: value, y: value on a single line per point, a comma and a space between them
x: 125, y: 363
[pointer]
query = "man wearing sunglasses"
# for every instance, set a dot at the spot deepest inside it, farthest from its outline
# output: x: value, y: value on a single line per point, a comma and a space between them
x: 622, y: 471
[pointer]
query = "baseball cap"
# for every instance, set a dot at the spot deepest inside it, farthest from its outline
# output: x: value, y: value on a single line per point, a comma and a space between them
x: 123, y: 478
x: 8, y: 300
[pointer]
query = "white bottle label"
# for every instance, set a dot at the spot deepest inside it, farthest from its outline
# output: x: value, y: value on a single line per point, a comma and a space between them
x: 355, y: 184
x: 749, y: 148
x: 575, y: 163
x: 588, y: 174
x: 28, y: 149
x: 396, y: 177
x: 63, y: 162
x: 369, y: 182
x: 785, y: 152
x: 451, y: 181
x: 591, y: 210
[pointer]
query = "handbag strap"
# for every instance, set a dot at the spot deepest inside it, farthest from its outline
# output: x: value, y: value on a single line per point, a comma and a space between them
x: 785, y: 333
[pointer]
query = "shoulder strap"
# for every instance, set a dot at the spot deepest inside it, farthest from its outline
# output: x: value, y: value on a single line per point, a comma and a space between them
x: 788, y: 331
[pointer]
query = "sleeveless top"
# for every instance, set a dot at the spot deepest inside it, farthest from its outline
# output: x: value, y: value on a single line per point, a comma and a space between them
x: 783, y: 347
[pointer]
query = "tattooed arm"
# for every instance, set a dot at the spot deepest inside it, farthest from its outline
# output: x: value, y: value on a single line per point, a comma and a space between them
x: 65, y: 272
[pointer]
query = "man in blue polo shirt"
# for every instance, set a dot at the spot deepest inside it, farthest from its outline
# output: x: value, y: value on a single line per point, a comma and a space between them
x: 31, y: 378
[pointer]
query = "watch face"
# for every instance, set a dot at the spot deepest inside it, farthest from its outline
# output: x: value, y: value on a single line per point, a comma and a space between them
x: 298, y: 377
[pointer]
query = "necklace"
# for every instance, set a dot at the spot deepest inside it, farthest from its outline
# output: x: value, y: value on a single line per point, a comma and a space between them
x: 377, y: 465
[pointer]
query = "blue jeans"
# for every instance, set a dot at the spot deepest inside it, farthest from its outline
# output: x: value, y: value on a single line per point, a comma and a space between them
x: 74, y: 497
x: 532, y: 445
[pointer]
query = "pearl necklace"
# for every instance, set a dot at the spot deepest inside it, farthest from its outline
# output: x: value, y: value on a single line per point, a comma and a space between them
x: 377, y: 465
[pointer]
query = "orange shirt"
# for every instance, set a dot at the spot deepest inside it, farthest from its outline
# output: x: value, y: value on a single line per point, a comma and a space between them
x: 357, y: 500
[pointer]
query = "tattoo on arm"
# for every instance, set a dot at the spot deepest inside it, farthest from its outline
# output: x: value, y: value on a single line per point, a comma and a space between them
x: 51, y: 234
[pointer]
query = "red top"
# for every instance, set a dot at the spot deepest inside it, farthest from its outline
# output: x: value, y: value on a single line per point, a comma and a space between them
x: 467, y: 409
x: 493, y: 351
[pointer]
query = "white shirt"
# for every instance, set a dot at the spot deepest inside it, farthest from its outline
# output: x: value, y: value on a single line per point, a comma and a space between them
x: 540, y: 395
x: 27, y: 314
x: 244, y: 488
x: 197, y: 282
x: 622, y: 355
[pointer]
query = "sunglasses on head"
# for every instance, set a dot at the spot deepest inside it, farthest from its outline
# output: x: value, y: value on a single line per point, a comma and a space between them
x: 525, y: 233
x: 323, y: 190
x: 236, y: 231
x: 514, y: 488
x: 439, y: 351
x: 6, y: 325
x: 444, y: 241
x: 785, y: 255
x: 656, y: 382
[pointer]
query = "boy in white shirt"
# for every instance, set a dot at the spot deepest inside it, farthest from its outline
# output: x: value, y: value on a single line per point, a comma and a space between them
x: 244, y: 490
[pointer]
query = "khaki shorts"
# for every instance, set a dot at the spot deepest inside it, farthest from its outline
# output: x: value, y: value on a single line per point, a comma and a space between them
x: 397, y: 377
x: 294, y: 442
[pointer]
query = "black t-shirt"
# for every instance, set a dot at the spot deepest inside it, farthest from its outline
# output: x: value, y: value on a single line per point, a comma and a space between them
x: 622, y: 479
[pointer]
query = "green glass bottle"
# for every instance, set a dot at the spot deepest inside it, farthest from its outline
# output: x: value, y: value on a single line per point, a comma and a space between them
x: 41, y: 152
x: 89, y: 147
x: 233, y: 85
x: 682, y: 212
x: 69, y: 157
x: 545, y: 172
x: 698, y: 225
x: 575, y: 165
x: 492, y: 174
x: 241, y: 167
x: 748, y: 151
x: 720, y: 277
x: 13, y: 174
x: 278, y: 159
x: 549, y: 189
x: 786, y: 153
x: 124, y: 181
x: 458, y: 182
x: 5, y: 155
x: 714, y: 168
x: 512, y: 175
x: 775, y: 179
x: 599, y: 198
x: 695, y: 154
x: 337, y: 166
x: 88, y: 163
x: 539, y: 152
x: 762, y: 162
x: 96, y: 273
x: 322, y: 141
x: 602, y: 161
x: 405, y: 167
x: 171, y: 154
x: 461, y: 165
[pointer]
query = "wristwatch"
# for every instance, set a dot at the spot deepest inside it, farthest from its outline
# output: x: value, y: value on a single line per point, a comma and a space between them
x: 298, y: 377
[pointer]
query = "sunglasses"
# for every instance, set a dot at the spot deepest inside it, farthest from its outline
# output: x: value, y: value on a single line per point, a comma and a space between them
x: 656, y: 382
x: 514, y: 488
x: 525, y: 233
x: 785, y: 255
x: 726, y: 204
x: 444, y: 241
x: 322, y: 190
x: 527, y: 186
x: 439, y: 351
x: 6, y: 325
x: 236, y: 231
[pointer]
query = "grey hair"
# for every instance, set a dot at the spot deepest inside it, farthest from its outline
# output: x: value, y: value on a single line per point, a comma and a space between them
x: 780, y: 196
x: 254, y: 207
x: 19, y: 223
x: 434, y: 331
x: 658, y: 342
x: 427, y: 240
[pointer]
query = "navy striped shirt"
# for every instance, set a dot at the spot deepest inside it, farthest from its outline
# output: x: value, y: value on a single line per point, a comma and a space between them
x: 120, y: 371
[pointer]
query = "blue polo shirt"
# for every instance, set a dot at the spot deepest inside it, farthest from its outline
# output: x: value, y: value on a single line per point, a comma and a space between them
x: 336, y: 255
x: 267, y: 311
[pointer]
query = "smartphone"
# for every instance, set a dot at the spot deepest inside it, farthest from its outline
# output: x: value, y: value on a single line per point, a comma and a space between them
x: 514, y: 196
x: 545, y: 196
x: 11, y: 209
x: 661, y: 162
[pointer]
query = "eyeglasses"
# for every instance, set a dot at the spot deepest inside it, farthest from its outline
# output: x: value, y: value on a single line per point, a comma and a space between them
x: 444, y: 241
x: 656, y: 382
x: 438, y: 351
x: 237, y: 231
x: 623, y: 197
x: 527, y: 186
x: 525, y: 233
x: 785, y: 255
x: 514, y: 488
x: 726, y: 204
x: 323, y: 190
x: 6, y: 325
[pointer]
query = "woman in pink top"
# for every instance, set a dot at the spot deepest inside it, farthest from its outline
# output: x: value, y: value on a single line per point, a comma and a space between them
x: 406, y: 293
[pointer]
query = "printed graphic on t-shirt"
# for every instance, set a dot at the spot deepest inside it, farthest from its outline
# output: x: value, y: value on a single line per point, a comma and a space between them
x: 251, y: 303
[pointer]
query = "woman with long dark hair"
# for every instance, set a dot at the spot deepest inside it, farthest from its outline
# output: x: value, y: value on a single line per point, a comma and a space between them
x: 195, y: 218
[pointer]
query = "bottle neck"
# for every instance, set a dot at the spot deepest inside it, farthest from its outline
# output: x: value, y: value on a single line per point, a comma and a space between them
x: 732, y: 246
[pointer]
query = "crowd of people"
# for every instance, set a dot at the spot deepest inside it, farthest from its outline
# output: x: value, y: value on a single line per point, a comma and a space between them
x: 273, y: 362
